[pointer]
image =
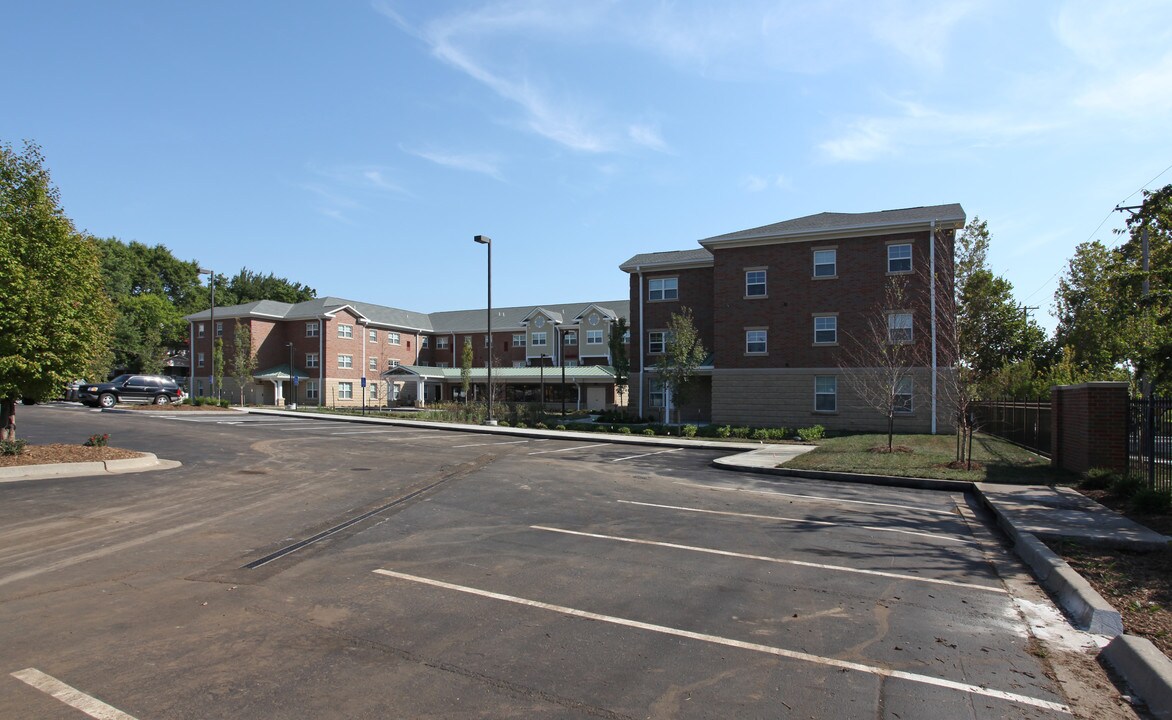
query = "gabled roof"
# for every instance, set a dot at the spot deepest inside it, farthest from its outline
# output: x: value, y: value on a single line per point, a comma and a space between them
x: 673, y: 260
x: 552, y: 315
x: 604, y: 312
x: 827, y: 224
x: 511, y: 318
x: 597, y: 373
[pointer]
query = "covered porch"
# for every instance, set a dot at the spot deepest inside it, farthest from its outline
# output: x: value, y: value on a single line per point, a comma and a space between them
x: 285, y: 382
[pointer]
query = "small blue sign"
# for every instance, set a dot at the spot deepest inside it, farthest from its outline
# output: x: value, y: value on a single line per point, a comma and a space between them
x: 363, y: 382
x: 295, y: 377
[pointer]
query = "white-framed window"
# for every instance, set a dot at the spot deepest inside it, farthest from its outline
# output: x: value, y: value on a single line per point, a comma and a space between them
x: 423, y: 341
x: 656, y: 342
x: 539, y: 339
x: 899, y: 258
x: 663, y: 289
x: 374, y: 364
x: 570, y: 338
x: 756, y: 342
x: 903, y: 395
x: 441, y: 365
x: 345, y: 331
x: 392, y: 362
x: 825, y: 393
x: 219, y: 328
x: 485, y: 339
x: 345, y: 361
x: 627, y: 338
x: 311, y: 389
x: 518, y: 363
x: 571, y: 363
x: 899, y: 328
x: 755, y: 283
x: 825, y: 263
x: 593, y: 337
x: 441, y: 342
x: 825, y: 329
x: 655, y: 393
x: 312, y: 328
x: 372, y: 335
x: 311, y: 360
x: 345, y: 391
x: 518, y: 339
x: 199, y: 330
x: 373, y: 391
x: 393, y: 338
x: 199, y: 360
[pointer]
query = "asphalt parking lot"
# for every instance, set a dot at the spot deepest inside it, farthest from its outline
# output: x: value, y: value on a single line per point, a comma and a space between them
x: 306, y: 568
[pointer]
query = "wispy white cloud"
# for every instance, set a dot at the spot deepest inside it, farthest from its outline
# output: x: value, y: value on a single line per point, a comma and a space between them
x: 338, y: 188
x: 647, y: 136
x: 760, y: 183
x: 921, y: 32
x: 483, y: 164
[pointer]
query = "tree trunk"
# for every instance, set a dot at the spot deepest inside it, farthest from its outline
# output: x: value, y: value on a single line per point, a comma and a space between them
x: 8, y: 418
x: 890, y: 430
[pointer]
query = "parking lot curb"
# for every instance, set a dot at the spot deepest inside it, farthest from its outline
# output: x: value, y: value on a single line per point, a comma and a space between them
x: 1147, y: 670
x: 143, y: 463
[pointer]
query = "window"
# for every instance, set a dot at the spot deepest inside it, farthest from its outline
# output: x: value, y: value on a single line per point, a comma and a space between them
x: 755, y: 283
x: 392, y: 363
x: 311, y: 329
x: 311, y: 360
x: 593, y: 337
x: 570, y: 338
x: 199, y: 330
x: 518, y: 363
x: 423, y: 341
x: 374, y: 364
x: 467, y: 339
x: 392, y: 338
x: 199, y: 360
x: 345, y: 391
x: 899, y: 328
x: 756, y: 342
x: 825, y: 330
x: 518, y: 339
x: 825, y: 263
x: 441, y: 365
x: 486, y: 340
x: 571, y: 363
x: 373, y: 335
x: 627, y: 338
x: 825, y: 393
x: 655, y: 393
x: 374, y: 391
x: 656, y: 342
x: 663, y: 289
x: 441, y: 342
x: 345, y: 361
x: 899, y: 258
x: 539, y: 339
x: 903, y: 395
x: 219, y: 329
x: 311, y: 390
x: 345, y: 331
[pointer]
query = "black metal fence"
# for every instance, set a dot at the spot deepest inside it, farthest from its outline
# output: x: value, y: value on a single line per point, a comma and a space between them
x: 1149, y: 438
x: 1025, y: 422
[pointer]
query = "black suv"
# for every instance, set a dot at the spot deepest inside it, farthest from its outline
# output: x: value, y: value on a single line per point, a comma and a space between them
x: 157, y: 389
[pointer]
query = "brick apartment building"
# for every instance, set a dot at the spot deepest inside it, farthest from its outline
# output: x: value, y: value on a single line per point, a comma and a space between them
x: 345, y: 353
x: 786, y: 310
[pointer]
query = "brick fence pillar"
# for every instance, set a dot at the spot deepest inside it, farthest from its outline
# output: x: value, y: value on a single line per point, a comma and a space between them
x: 1089, y: 426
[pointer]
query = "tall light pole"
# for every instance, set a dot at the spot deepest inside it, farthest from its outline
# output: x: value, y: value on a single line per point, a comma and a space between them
x: 212, y: 321
x: 543, y: 384
x: 486, y: 240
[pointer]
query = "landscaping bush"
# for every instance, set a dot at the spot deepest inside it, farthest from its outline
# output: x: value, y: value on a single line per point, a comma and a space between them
x: 98, y: 440
x: 503, y: 423
x: 1151, y: 501
x: 741, y: 433
x: 624, y: 430
x: 649, y: 431
x: 520, y: 425
x: 1127, y: 485
x: 1099, y: 479
x: 724, y: 431
x: 541, y: 426
x: 12, y: 447
x: 689, y: 431
x: 814, y: 432
x: 760, y: 434
x: 559, y: 427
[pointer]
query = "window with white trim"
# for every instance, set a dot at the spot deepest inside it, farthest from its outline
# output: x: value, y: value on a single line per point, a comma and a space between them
x: 539, y: 339
x: 372, y: 335
x: 899, y: 258
x: 825, y: 263
x: 374, y: 364
x: 199, y: 360
x: 825, y: 393
x: 627, y: 338
x: 518, y: 363
x: 570, y: 338
x: 423, y: 340
x: 756, y: 342
x: 441, y: 365
x: 593, y: 337
x: 219, y: 328
x: 899, y: 328
x: 656, y: 342
x: 655, y: 393
x: 825, y: 329
x: 311, y: 389
x: 571, y: 363
x: 903, y: 395
x: 345, y: 361
x: 373, y: 387
x: 393, y: 338
x: 311, y: 360
x: 345, y: 391
x: 199, y: 330
x: 518, y: 339
x: 441, y: 342
x: 345, y: 331
x: 663, y: 289
x: 755, y: 283
x: 312, y: 328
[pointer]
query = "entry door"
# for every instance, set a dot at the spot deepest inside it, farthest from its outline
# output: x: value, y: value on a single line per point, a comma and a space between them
x: 595, y: 397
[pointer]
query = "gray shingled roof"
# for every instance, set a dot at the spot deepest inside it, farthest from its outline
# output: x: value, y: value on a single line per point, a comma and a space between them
x: 696, y: 257
x: 828, y: 222
x: 511, y: 317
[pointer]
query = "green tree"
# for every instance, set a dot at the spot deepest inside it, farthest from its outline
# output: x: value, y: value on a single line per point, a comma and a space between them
x: 54, y: 314
x: 1090, y: 317
x: 1148, y: 313
x: 244, y: 359
x: 218, y: 367
x: 248, y: 286
x: 466, y: 368
x: 682, y: 354
x: 620, y: 359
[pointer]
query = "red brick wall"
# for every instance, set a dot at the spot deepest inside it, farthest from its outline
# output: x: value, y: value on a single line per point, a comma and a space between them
x: 1089, y: 426
x: 695, y: 293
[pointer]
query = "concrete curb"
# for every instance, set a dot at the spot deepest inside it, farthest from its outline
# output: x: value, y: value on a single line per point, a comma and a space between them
x: 1146, y: 670
x: 730, y: 463
x: 146, y: 461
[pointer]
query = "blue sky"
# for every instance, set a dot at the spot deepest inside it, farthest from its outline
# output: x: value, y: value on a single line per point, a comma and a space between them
x: 357, y: 147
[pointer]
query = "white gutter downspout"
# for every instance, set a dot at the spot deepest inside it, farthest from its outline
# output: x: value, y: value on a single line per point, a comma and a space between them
x: 321, y: 360
x: 642, y: 333
x: 932, y: 277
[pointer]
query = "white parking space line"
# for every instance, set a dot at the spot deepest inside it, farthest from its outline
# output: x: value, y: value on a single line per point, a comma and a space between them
x: 576, y: 447
x: 934, y: 536
x: 658, y: 452
x: 728, y: 642
x: 512, y: 442
x: 364, y: 432
x: 950, y: 513
x: 779, y: 561
x: 71, y: 696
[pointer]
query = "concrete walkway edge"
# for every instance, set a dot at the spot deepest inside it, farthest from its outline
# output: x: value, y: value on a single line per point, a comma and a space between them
x: 146, y: 461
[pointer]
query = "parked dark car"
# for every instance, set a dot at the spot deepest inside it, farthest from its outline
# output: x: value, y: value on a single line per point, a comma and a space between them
x: 157, y: 389
x: 71, y: 389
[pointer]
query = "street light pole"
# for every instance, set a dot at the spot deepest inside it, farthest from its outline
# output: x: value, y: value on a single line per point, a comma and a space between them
x: 486, y: 240
x: 212, y: 321
x: 543, y: 385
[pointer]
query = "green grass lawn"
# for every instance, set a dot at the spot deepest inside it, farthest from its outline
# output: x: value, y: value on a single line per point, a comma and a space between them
x: 994, y: 460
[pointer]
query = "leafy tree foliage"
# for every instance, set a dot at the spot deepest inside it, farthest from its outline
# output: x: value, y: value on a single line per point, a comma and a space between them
x: 54, y: 315
x: 248, y: 286
x: 466, y: 368
x: 619, y: 357
x: 244, y: 360
x: 682, y: 354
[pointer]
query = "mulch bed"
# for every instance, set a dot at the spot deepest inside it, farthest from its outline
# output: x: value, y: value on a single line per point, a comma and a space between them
x: 63, y: 453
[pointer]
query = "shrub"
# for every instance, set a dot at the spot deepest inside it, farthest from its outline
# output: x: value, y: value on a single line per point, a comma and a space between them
x: 724, y: 431
x: 741, y: 433
x: 1099, y: 479
x: 814, y: 432
x: 1151, y: 501
x: 12, y: 447
x: 541, y: 426
x: 559, y: 427
x: 503, y: 423
x: 649, y: 431
x: 519, y: 425
x: 689, y: 431
x: 98, y: 440
x: 1127, y: 485
x: 624, y: 430
x: 760, y: 434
